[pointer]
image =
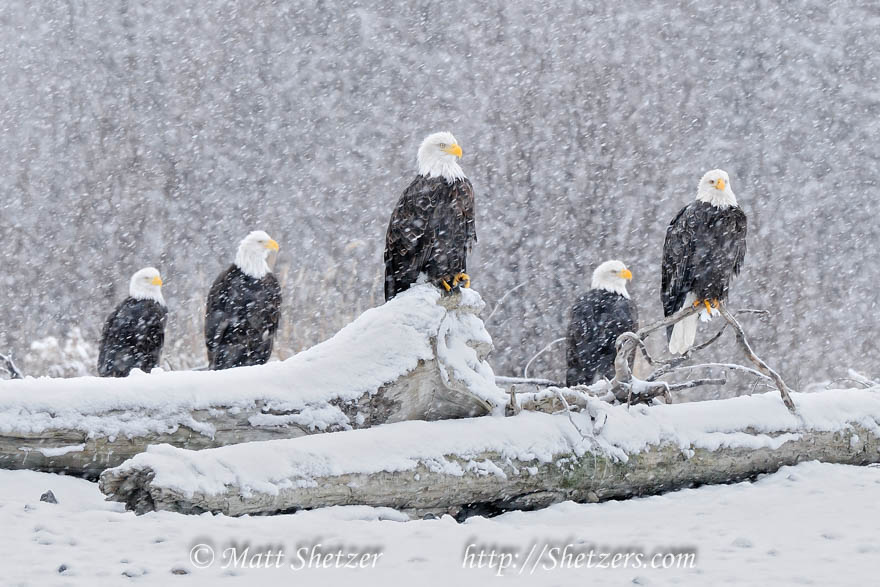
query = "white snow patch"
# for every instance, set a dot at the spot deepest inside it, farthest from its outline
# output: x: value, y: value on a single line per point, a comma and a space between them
x: 61, y: 450
x: 802, y: 524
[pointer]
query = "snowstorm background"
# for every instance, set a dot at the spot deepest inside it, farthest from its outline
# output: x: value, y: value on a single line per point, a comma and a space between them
x: 161, y: 133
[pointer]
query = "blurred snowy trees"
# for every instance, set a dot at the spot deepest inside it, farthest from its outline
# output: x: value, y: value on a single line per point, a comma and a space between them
x: 71, y: 356
x: 161, y: 133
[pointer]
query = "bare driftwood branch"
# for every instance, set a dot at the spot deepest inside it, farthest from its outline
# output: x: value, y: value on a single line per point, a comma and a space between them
x: 7, y: 365
x: 643, y: 392
x: 503, y: 380
x: 550, y: 401
x: 626, y: 388
x: 621, y: 385
x: 784, y: 391
x: 670, y: 364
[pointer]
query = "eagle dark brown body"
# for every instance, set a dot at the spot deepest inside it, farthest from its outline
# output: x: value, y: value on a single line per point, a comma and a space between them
x: 705, y: 246
x: 241, y: 319
x: 431, y: 231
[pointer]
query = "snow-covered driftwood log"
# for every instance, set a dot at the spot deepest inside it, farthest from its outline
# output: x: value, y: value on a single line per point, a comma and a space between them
x: 420, y: 356
x: 494, y: 463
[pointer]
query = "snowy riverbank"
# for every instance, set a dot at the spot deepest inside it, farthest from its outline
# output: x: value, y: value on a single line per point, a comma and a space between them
x: 810, y: 524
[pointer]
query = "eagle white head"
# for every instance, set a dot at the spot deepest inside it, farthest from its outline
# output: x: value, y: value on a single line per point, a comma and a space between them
x: 438, y: 157
x: 612, y: 276
x: 715, y: 189
x: 146, y: 284
x: 252, y: 253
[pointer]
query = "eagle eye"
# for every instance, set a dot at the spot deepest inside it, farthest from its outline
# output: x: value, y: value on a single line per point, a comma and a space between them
x: 442, y: 145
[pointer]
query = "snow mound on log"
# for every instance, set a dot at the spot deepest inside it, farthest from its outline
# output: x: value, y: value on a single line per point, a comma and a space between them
x: 381, y: 346
x: 475, y: 445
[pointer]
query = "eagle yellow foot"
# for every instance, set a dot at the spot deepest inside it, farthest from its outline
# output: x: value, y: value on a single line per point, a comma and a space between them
x: 462, y: 277
x: 446, y: 286
x: 709, y: 304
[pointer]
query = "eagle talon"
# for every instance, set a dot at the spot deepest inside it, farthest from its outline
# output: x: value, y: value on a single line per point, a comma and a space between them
x: 708, y: 306
x: 462, y: 277
x: 446, y: 286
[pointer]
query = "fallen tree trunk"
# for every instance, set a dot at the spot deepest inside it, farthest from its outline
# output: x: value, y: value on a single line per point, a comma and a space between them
x: 491, y: 464
x: 420, y: 356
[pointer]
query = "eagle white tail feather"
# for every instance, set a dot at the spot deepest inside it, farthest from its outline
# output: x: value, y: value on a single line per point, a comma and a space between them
x: 683, y: 335
x: 685, y: 331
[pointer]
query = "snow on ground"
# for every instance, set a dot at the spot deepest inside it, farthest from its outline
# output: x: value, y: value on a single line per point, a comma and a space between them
x: 530, y: 435
x: 379, y: 346
x: 813, y: 524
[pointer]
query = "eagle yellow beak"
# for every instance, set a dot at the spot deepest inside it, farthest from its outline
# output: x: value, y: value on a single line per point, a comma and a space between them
x: 272, y: 245
x: 626, y: 274
x: 454, y: 150
x: 719, y: 185
x: 156, y: 281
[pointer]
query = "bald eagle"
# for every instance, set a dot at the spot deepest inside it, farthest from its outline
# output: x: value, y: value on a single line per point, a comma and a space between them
x: 135, y: 332
x: 598, y: 317
x: 432, y: 227
x: 705, y: 246
x: 243, y: 307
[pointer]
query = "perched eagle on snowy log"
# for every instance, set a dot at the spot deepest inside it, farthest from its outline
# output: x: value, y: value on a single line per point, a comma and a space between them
x: 598, y: 317
x: 705, y: 246
x: 134, y: 333
x: 432, y: 227
x: 244, y: 306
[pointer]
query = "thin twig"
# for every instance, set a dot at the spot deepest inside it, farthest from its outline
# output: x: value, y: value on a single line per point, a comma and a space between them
x: 529, y: 364
x: 498, y: 304
x: 696, y: 383
x: 590, y: 438
x: 671, y: 364
x: 731, y: 366
x: 859, y: 377
x: 668, y: 321
x: 668, y: 365
x: 784, y: 391
x: 864, y: 384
